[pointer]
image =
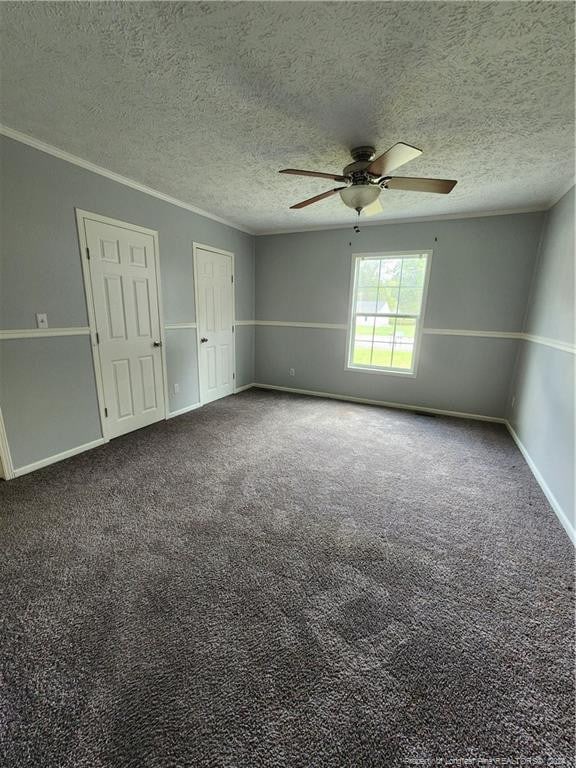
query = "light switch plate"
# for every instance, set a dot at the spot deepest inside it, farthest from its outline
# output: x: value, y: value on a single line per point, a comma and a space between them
x: 41, y: 320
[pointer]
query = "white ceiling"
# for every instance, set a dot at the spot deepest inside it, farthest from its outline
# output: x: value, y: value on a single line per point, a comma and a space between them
x: 207, y: 101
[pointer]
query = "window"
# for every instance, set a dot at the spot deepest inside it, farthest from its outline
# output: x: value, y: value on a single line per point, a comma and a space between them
x: 387, y: 300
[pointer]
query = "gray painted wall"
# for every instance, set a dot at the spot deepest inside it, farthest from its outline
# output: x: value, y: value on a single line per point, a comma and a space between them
x: 181, y: 367
x: 48, y: 396
x: 479, y: 280
x: 245, y: 353
x: 40, y: 271
x: 448, y: 377
x: 542, y: 391
x: 483, y: 271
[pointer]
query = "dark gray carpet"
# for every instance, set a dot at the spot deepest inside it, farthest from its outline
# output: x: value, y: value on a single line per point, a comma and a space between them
x: 275, y: 581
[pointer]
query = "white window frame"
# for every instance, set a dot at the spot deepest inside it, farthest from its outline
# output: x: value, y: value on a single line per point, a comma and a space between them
x: 356, y: 258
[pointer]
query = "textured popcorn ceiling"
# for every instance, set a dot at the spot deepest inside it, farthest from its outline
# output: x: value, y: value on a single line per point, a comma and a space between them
x: 205, y: 102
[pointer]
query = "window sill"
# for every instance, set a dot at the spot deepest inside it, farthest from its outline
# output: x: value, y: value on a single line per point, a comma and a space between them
x: 382, y: 371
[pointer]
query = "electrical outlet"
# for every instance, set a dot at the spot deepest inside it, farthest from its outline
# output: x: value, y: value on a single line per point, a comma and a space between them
x: 291, y: 371
x: 176, y: 388
x: 41, y: 320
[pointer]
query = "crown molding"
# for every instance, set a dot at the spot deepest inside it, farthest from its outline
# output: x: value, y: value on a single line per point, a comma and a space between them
x: 61, y: 154
x: 406, y: 220
x: 24, y: 138
x: 563, y: 191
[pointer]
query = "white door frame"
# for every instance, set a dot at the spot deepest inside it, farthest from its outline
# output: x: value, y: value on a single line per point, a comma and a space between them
x: 196, y: 246
x: 81, y: 217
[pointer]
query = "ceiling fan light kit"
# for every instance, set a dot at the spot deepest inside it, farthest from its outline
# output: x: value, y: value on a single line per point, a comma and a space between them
x: 366, y: 177
x: 358, y: 196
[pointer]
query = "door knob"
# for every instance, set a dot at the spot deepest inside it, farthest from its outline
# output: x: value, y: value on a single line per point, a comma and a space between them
x: 203, y: 340
x: 157, y: 344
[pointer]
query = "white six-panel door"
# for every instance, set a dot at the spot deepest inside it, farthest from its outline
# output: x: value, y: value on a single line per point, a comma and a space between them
x: 124, y: 287
x: 215, y: 319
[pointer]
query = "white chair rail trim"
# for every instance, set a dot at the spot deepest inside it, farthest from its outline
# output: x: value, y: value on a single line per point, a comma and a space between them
x: 563, y: 346
x: 44, y: 333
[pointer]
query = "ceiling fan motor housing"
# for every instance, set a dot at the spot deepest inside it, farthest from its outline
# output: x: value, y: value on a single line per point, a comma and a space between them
x: 356, y: 171
x: 363, y: 153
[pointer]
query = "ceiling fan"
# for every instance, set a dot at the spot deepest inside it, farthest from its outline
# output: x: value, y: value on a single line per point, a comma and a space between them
x: 367, y: 176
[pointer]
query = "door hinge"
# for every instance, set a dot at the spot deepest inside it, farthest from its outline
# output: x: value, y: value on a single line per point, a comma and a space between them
x: 97, y: 338
x: 232, y: 329
x: 231, y: 278
x: 233, y: 375
x: 88, y: 253
x: 106, y: 412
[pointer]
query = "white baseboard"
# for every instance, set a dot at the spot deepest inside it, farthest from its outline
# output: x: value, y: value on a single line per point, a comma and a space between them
x: 241, y: 389
x: 383, y: 403
x: 80, y: 449
x: 187, y: 409
x: 199, y: 405
x: 562, y: 516
x: 552, y: 500
x: 58, y: 457
x: 6, y: 467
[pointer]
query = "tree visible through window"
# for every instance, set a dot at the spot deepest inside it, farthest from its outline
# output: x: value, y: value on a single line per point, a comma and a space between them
x: 386, y: 309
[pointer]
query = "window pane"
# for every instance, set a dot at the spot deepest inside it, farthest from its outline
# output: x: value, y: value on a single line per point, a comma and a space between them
x: 368, y: 272
x: 414, y: 272
x: 362, y: 353
x: 387, y: 287
x: 366, y: 300
x: 390, y: 271
x: 405, y: 331
x: 410, y: 300
x: 363, y: 334
x: 404, y: 343
x: 388, y: 298
x: 364, y: 328
x: 382, y: 353
x: 402, y: 356
x: 384, y: 328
